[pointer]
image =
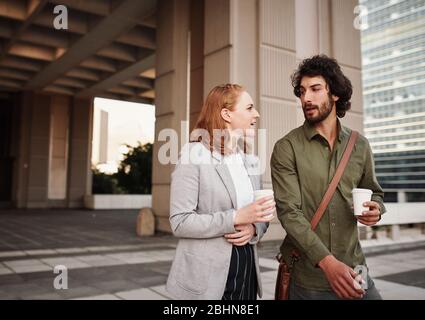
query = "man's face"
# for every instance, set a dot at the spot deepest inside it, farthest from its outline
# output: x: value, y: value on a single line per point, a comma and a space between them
x: 316, y: 100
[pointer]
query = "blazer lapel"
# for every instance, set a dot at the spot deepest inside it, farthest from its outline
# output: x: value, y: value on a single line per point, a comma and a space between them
x: 224, y: 173
x: 253, y: 182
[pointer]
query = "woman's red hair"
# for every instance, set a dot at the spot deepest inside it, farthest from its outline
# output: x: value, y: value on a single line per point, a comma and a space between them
x: 210, y: 119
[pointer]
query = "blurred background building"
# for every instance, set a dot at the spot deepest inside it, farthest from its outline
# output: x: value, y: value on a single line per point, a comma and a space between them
x: 103, y: 133
x: 393, y: 52
x: 118, y: 125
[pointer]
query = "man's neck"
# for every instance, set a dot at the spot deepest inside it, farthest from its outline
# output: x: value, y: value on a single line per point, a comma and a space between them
x: 328, y: 128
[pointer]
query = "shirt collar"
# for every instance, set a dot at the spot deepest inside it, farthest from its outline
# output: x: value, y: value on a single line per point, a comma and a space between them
x: 310, y: 131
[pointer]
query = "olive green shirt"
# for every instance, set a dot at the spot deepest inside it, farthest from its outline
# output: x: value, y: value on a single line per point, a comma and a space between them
x: 302, y: 166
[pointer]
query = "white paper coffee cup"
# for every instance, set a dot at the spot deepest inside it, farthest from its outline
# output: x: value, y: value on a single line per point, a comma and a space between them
x: 360, y: 196
x: 258, y: 194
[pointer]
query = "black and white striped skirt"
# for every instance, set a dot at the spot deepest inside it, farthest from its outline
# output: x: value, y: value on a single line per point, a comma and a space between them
x: 242, y: 279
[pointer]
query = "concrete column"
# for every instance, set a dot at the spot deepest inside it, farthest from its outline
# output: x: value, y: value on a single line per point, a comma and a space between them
x: 59, y: 144
x: 395, y: 232
x: 9, y: 120
x: 401, y: 196
x: 277, y: 103
x: 277, y: 47
x: 395, y: 228
x: 21, y: 168
x: 172, y: 102
x: 197, y: 8
x: 41, y: 167
x: 345, y: 47
x: 307, y: 31
x: 15, y: 146
x: 326, y: 26
x: 230, y: 47
x: 80, y: 146
x: 38, y: 157
x: 217, y: 46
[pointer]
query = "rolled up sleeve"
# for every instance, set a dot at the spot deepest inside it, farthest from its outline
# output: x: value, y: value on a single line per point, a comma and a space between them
x: 369, y: 180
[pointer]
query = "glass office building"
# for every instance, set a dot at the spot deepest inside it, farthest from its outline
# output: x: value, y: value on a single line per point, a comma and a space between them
x: 393, y: 57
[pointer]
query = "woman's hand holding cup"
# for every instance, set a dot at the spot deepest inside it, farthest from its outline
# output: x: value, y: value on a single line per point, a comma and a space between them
x: 260, y: 210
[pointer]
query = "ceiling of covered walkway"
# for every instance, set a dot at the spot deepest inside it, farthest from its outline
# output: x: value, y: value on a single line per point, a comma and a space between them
x: 108, y: 49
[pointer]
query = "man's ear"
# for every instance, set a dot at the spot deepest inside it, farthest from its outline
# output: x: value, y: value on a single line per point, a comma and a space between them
x: 335, y: 98
x: 225, y: 114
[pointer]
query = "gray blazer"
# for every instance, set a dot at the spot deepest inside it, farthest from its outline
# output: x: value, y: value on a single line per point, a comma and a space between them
x: 202, y: 202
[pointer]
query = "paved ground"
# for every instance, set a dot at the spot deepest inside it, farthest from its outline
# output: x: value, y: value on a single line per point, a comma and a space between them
x: 105, y: 260
x: 41, y: 229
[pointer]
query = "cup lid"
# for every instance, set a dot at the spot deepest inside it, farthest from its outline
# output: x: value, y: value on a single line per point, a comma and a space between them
x: 360, y: 190
x: 264, y: 190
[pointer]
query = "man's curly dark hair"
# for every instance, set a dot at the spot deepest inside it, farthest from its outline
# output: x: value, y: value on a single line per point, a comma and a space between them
x: 339, y: 85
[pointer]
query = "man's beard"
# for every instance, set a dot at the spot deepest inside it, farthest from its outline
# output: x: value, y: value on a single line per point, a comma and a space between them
x: 324, y: 111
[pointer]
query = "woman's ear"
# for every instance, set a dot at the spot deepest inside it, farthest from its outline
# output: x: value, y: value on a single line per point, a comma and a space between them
x: 225, y: 114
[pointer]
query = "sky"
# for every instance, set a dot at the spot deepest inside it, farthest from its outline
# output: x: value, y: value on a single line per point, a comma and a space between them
x: 128, y: 123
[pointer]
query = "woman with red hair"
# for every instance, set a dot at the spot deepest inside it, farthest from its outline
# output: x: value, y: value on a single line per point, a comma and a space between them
x: 212, y: 208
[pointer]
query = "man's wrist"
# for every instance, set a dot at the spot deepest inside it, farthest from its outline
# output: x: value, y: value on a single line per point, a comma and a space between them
x: 325, y: 261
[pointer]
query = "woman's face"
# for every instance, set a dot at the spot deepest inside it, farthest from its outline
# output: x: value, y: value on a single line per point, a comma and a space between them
x: 243, y: 117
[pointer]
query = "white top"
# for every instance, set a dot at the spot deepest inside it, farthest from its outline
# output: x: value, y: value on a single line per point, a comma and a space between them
x: 241, y: 181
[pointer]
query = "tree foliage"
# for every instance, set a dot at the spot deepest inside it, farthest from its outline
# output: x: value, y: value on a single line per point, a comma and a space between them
x: 134, y: 174
x: 135, y: 171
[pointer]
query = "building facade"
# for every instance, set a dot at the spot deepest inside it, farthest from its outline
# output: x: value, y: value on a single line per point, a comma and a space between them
x: 393, y: 51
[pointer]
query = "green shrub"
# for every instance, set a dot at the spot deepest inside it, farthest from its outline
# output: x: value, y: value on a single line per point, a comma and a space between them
x: 135, y: 171
x: 105, y: 183
x: 134, y: 174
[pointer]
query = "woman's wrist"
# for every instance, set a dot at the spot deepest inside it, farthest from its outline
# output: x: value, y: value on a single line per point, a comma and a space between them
x: 255, y: 229
x: 235, y: 212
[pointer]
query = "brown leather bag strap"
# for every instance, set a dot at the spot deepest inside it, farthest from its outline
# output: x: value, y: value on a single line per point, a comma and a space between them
x: 335, y: 180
